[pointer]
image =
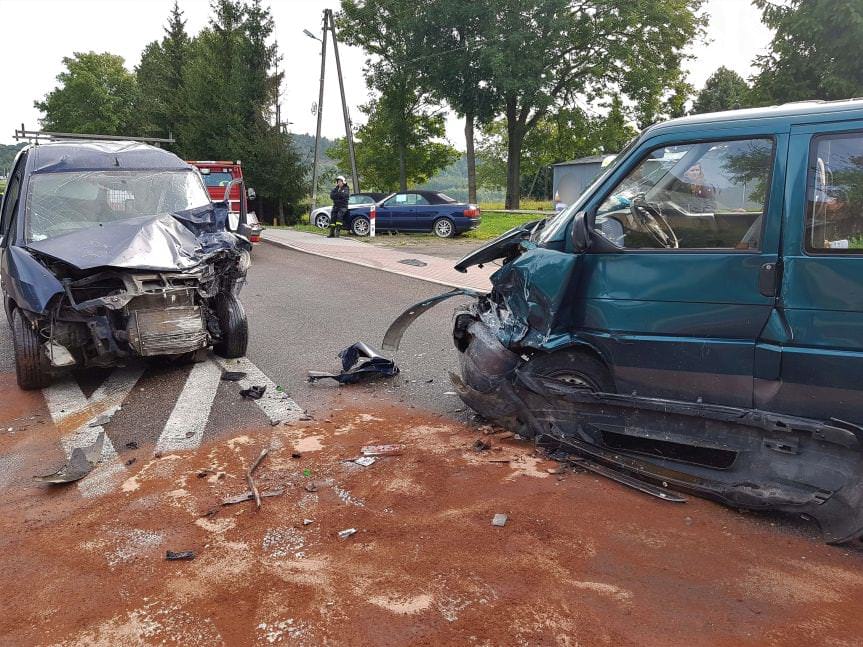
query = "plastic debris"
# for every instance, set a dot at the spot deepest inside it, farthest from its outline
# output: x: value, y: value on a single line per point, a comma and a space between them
x: 499, y: 520
x: 365, y: 461
x: 344, y: 534
x: 381, y: 450
x: 254, y: 392
x: 308, y: 522
x: 179, y: 555
x: 80, y: 463
x: 376, y: 366
x: 233, y: 376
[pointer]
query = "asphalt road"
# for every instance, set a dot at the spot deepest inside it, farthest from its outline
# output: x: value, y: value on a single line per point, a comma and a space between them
x: 304, y: 309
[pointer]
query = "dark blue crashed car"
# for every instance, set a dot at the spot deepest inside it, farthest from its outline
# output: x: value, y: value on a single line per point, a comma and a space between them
x: 112, y: 251
x: 417, y: 211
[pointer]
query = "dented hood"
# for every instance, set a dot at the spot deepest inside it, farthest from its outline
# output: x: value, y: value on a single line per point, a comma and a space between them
x: 501, y: 247
x: 160, y: 243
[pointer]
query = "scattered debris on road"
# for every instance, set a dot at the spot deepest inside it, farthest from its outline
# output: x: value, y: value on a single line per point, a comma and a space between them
x: 365, y: 461
x: 499, y: 520
x: 481, y: 445
x: 249, y: 495
x: 173, y: 556
x: 376, y: 366
x: 381, y: 450
x: 233, y: 376
x: 308, y: 522
x: 344, y: 534
x: 251, y: 481
x: 80, y: 463
x: 254, y: 392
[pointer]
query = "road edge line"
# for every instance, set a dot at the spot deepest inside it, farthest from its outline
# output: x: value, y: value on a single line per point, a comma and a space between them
x: 281, y: 243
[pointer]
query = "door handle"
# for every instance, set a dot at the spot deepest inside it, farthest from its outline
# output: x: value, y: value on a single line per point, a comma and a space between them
x: 767, y: 279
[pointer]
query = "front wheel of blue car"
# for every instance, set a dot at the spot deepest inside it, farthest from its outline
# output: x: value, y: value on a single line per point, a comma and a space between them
x: 233, y: 326
x: 31, y: 365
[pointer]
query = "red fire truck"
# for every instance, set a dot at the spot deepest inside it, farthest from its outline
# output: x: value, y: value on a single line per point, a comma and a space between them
x: 217, y: 175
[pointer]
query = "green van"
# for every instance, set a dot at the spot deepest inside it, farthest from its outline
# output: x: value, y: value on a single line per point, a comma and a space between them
x: 695, y: 320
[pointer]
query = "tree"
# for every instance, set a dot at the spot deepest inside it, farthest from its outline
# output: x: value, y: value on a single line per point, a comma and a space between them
x: 96, y: 95
x: 567, y: 133
x: 405, y: 112
x: 724, y: 90
x: 160, y: 104
x: 815, y: 51
x: 421, y: 156
x: 453, y: 67
x: 546, y: 53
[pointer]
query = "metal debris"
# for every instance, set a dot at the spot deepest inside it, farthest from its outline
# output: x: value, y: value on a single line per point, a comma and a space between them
x: 179, y: 555
x: 499, y: 520
x: 254, y: 392
x: 80, y: 463
x: 344, y: 534
x: 308, y: 522
x: 381, y: 450
x: 375, y: 366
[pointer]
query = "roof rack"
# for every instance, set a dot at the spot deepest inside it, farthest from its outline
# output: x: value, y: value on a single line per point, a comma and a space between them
x: 34, y: 136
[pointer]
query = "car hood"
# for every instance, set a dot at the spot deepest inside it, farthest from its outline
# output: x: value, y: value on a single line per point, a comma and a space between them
x: 501, y: 247
x: 161, y: 243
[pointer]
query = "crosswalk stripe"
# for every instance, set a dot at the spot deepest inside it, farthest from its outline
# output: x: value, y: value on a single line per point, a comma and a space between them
x: 65, y: 399
x: 185, y: 427
x: 275, y: 404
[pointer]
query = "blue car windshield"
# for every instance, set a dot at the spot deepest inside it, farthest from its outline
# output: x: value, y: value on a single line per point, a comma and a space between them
x: 60, y: 203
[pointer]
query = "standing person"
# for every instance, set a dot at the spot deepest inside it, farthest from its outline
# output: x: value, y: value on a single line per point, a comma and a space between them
x: 339, y: 215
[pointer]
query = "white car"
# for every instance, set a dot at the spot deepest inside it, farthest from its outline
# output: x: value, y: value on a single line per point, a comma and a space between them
x: 321, y: 215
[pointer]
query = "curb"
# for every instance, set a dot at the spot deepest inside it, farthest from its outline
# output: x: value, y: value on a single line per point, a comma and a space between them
x: 286, y: 245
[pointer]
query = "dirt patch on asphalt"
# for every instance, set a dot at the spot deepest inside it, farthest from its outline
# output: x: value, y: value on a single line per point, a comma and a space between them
x: 580, y: 560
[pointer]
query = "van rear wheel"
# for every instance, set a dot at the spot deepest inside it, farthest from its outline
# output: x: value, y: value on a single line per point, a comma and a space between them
x: 31, y: 365
x: 233, y: 326
x: 575, y: 367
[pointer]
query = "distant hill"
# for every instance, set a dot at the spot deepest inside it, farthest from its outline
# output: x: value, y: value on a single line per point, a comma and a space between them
x: 7, y: 156
x: 305, y: 144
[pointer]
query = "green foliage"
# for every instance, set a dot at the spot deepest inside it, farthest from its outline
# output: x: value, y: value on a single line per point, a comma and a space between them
x: 160, y: 107
x: 423, y: 154
x: 565, y: 134
x: 815, y: 51
x: 7, y: 156
x: 724, y: 90
x: 96, y: 94
x: 400, y: 140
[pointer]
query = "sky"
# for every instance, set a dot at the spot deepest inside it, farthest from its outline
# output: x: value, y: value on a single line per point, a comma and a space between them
x: 735, y: 36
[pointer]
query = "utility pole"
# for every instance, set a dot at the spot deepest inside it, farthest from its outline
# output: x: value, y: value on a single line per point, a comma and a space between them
x: 320, y: 114
x: 348, y: 130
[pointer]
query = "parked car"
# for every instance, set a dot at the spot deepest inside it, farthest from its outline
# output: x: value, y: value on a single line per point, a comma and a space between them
x: 417, y: 211
x: 693, y: 321
x: 113, y: 250
x: 321, y: 216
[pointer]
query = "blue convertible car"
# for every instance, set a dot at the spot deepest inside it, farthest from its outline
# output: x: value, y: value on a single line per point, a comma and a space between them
x: 423, y: 211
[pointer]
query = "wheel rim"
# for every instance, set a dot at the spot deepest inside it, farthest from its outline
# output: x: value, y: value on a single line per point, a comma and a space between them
x: 361, y: 227
x: 322, y: 222
x: 571, y: 378
x: 443, y: 228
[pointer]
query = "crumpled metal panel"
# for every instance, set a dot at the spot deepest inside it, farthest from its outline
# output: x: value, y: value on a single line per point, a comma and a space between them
x: 31, y: 285
x: 161, y: 243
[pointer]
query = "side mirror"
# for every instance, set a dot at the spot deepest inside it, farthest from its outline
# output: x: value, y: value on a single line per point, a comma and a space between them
x: 580, y: 232
x: 235, y: 221
x: 251, y: 193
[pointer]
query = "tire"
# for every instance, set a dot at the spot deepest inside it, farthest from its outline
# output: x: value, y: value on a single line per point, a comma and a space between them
x: 31, y: 365
x: 443, y: 228
x: 322, y: 221
x: 360, y: 226
x: 576, y: 367
x: 233, y: 325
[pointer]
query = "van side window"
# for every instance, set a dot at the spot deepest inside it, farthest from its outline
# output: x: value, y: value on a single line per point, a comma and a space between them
x: 706, y: 195
x: 834, y: 214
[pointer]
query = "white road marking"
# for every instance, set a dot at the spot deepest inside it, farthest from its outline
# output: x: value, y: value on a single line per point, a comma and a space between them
x: 185, y: 427
x: 275, y: 404
x: 65, y: 399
